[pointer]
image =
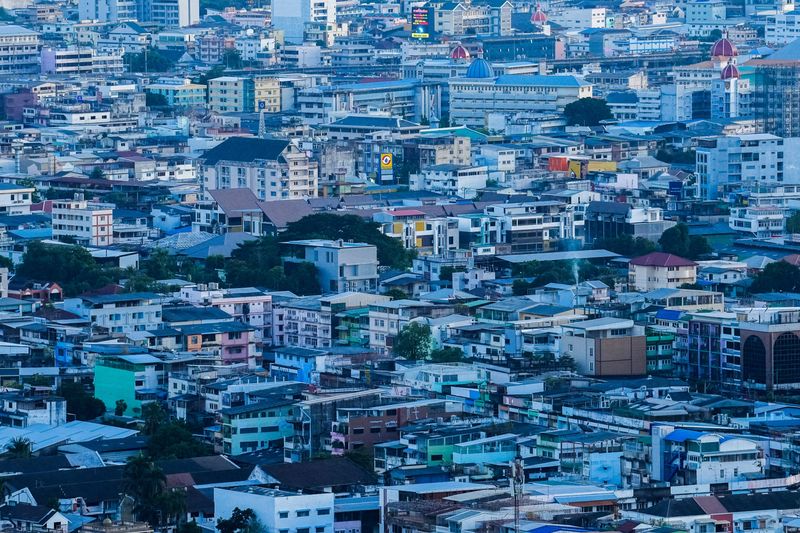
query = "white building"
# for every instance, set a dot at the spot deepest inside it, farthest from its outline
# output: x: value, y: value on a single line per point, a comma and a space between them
x: 387, y: 319
x: 309, y: 322
x: 273, y: 169
x: 729, y: 163
x: 782, y: 28
x: 76, y: 60
x: 451, y: 180
x: 291, y: 16
x: 119, y: 313
x: 278, y: 510
x: 761, y: 222
x: 480, y: 93
x: 168, y: 13
x: 107, y: 10
x: 15, y: 199
x: 580, y: 18
x: 705, y: 16
x: 88, y: 223
x: 19, y: 50
x: 341, y: 266
x: 249, y: 305
x: 659, y: 270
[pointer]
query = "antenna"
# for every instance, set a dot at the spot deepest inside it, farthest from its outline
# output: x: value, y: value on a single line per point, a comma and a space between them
x: 517, y: 481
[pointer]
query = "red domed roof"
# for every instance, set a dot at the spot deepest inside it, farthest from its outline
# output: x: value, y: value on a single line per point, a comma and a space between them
x: 538, y: 16
x: 459, y: 52
x: 730, y: 71
x: 724, y: 48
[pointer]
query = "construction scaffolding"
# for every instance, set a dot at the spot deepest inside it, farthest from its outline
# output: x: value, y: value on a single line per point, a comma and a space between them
x: 776, y: 97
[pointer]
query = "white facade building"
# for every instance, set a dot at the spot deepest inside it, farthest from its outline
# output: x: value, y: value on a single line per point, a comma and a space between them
x: 291, y: 16
x: 730, y: 163
x: 278, y: 510
x: 88, y: 223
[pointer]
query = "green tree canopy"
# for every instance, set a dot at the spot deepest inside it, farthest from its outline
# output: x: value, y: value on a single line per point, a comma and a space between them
x: 413, y: 342
x: 676, y: 240
x: 626, y: 245
x: 150, y: 60
x: 447, y: 354
x: 258, y: 263
x: 174, y: 440
x: 587, y: 112
x: 240, y: 521
x: 19, y: 448
x: 793, y: 223
x: 779, y: 276
x: 80, y: 403
x: 72, y: 267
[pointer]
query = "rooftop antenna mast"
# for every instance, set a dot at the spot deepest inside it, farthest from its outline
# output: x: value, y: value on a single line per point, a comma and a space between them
x: 517, y: 481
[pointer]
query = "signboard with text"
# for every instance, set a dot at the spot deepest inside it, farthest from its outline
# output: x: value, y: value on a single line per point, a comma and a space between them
x: 421, y: 21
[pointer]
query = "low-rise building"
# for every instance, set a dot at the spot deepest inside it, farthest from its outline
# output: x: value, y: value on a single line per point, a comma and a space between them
x: 660, y: 270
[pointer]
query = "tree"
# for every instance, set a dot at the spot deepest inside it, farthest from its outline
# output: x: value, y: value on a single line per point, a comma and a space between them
x: 80, y: 403
x: 155, y: 100
x: 793, y: 223
x: 97, y: 174
x: 587, y: 112
x: 447, y: 354
x: 146, y: 483
x: 447, y: 271
x: 676, y: 240
x: 189, y: 527
x: 363, y: 457
x: 413, y: 342
x: 240, y: 521
x: 232, y: 58
x: 520, y: 287
x: 154, y: 417
x: 626, y: 245
x: 150, y: 60
x: 214, y: 72
x: 120, y: 407
x: 19, y: 448
x: 5, y: 262
x: 174, y: 440
x: 779, y: 276
x: 396, y: 294
x: 159, y: 264
x: 72, y: 267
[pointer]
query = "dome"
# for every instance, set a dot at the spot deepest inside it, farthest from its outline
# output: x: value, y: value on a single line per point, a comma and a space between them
x: 480, y: 68
x: 538, y: 18
x: 459, y: 52
x: 729, y: 72
x: 724, y: 48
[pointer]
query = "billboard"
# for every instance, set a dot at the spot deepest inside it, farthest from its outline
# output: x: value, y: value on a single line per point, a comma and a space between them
x: 387, y: 161
x: 421, y: 20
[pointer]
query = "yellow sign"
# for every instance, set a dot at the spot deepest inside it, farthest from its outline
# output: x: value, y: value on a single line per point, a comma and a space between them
x: 386, y: 161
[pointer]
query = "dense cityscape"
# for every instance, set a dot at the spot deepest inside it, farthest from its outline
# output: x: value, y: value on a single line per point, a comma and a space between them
x: 399, y: 266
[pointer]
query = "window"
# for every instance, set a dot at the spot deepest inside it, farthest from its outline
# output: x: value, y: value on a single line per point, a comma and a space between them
x: 303, y: 513
x: 323, y: 512
x: 283, y: 514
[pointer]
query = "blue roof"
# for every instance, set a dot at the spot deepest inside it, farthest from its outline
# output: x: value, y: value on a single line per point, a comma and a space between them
x: 682, y: 435
x: 538, y: 79
x: 480, y: 68
x: 669, y: 314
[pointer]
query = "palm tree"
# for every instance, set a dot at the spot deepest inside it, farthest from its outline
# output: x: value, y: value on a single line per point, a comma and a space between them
x: 146, y: 483
x: 19, y: 448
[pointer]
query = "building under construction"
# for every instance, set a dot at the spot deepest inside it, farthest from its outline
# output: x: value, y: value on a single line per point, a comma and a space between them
x: 776, y: 96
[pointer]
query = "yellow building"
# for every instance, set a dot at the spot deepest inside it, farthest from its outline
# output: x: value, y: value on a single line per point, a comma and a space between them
x: 268, y: 91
